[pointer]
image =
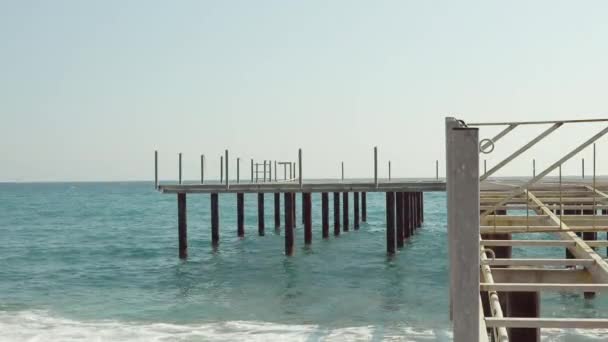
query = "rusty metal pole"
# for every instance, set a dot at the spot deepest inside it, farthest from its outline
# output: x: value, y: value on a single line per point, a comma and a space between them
x: 399, y: 209
x: 215, y: 220
x: 277, y: 210
x: 407, y: 221
x: 356, y: 209
x: 364, y: 206
x: 345, y: 225
x: 336, y: 213
x: 261, y: 214
x: 289, y: 240
x: 182, y: 228
x: 390, y: 223
x: 240, y: 214
x: 325, y: 214
x: 307, y: 214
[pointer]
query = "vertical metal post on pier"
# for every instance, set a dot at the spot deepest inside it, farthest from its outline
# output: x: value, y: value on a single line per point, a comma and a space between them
x: 463, y: 226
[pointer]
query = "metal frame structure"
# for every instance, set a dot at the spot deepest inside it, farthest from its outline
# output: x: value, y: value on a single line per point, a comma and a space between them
x: 478, y: 206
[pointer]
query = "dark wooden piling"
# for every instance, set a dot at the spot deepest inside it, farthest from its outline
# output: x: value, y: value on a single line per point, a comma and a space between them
x: 307, y: 215
x: 364, y: 206
x: 605, y: 212
x: 399, y: 211
x: 261, y: 214
x: 569, y: 255
x: 415, y: 212
x: 356, y: 209
x: 345, y: 223
x: 325, y: 214
x: 303, y: 207
x: 390, y: 223
x: 421, y: 207
x: 589, y: 236
x: 407, y: 221
x: 277, y: 209
x: 289, y: 240
x: 412, y: 215
x: 293, y: 209
x: 240, y: 214
x: 215, y: 220
x: 182, y: 226
x: 523, y: 304
x: 336, y: 213
x: 418, y: 210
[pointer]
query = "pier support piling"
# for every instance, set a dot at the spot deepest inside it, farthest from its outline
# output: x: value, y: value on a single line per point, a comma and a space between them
x: 407, y: 221
x: 399, y: 210
x: 261, y: 214
x: 182, y: 226
x: 345, y: 224
x: 293, y: 209
x: 524, y: 304
x: 325, y: 214
x: 277, y: 210
x: 215, y: 220
x: 356, y: 209
x: 240, y: 214
x: 303, y: 208
x: 364, y: 206
x: 307, y: 214
x: 289, y: 239
x: 336, y: 213
x: 390, y: 223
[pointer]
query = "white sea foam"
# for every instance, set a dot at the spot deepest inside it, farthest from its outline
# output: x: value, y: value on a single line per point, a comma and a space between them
x: 42, y: 326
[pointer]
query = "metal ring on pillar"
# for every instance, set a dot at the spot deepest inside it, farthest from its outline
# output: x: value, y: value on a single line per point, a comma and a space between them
x: 488, y: 250
x: 489, y: 149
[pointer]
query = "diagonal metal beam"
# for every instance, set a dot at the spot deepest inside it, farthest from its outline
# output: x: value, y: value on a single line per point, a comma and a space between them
x: 520, y: 150
x: 498, y: 136
x: 548, y: 170
x: 598, y: 270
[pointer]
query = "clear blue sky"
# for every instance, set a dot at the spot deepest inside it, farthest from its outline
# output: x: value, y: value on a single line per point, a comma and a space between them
x: 89, y: 89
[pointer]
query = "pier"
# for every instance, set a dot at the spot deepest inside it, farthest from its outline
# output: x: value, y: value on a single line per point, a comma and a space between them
x: 495, y: 296
x: 404, y: 201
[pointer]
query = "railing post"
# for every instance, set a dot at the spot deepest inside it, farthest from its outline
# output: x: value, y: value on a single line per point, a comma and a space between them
x: 300, y: 166
x: 202, y: 169
x: 376, y: 166
x: 463, y: 227
x: 227, y: 173
x: 180, y: 168
x: 156, y: 170
x: 238, y: 170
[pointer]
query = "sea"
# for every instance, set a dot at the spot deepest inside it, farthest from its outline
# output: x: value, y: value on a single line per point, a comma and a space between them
x: 99, y: 262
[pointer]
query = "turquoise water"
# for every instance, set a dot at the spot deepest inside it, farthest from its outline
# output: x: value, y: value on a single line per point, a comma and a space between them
x: 99, y: 261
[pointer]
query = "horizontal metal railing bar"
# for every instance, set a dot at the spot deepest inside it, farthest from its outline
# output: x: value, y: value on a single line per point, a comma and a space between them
x: 565, y: 323
x: 534, y: 287
x: 534, y: 122
x: 541, y: 243
x: 540, y: 229
x: 537, y: 262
